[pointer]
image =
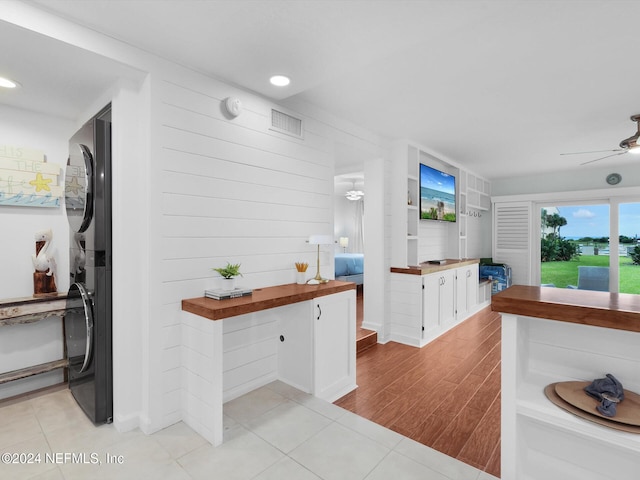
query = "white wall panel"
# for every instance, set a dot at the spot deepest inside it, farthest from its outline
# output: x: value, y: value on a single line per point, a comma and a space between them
x: 221, y: 190
x: 433, y: 240
x: 279, y: 193
x: 200, y: 148
x: 232, y: 190
x: 26, y: 345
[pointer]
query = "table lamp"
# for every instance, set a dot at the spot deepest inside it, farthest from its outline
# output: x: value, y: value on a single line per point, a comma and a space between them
x: 344, y: 243
x: 319, y: 240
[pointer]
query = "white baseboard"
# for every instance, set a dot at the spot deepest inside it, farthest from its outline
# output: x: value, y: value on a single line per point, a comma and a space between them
x: 126, y: 423
x: 372, y: 326
x: 240, y: 390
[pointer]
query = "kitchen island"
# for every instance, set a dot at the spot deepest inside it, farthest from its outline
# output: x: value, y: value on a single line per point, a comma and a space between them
x: 303, y: 335
x: 553, y: 335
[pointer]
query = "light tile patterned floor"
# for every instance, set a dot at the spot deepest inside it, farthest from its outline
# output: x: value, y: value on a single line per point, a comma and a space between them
x: 273, y: 433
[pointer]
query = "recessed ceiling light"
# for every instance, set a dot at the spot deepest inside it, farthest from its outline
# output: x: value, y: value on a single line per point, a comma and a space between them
x: 280, y: 80
x: 7, y: 83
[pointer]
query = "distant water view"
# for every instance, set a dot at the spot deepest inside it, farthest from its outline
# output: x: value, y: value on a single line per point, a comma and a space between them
x: 572, y: 237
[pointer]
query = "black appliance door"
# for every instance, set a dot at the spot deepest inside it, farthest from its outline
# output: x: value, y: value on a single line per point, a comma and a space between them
x: 79, y: 326
x: 78, y: 189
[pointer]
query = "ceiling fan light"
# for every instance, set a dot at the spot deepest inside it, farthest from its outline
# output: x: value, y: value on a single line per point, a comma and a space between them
x: 632, y: 144
x: 634, y: 147
x: 8, y: 83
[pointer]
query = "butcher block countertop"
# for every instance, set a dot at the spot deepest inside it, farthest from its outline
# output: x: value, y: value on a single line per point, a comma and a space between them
x: 262, y: 299
x: 587, y: 307
x: 426, y: 268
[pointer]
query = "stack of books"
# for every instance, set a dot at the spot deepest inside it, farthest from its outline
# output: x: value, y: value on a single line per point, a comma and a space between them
x: 220, y: 294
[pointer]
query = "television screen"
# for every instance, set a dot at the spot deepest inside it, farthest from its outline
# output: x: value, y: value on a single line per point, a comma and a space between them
x: 437, y: 195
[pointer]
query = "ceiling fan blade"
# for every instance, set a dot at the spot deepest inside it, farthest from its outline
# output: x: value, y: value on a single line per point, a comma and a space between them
x: 602, y: 158
x: 595, y: 151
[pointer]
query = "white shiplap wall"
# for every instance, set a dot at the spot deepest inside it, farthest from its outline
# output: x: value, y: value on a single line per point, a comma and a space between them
x: 229, y: 190
x: 234, y: 191
x: 433, y: 241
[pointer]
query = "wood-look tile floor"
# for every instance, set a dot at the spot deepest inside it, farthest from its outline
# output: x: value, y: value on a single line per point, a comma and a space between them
x: 445, y: 395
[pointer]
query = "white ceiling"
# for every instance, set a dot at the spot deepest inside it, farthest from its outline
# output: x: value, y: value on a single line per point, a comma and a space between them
x: 501, y: 86
x: 55, y: 78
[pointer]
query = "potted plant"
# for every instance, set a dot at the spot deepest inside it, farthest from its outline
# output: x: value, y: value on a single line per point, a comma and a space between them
x: 229, y: 273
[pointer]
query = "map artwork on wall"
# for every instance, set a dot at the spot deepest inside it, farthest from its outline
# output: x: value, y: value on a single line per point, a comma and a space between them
x: 26, y: 180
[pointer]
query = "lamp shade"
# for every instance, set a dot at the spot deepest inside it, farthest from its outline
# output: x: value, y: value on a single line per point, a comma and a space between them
x: 320, y: 239
x: 344, y: 242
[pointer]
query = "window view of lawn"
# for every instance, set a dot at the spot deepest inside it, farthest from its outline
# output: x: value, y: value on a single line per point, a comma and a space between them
x: 578, y: 235
x: 565, y: 273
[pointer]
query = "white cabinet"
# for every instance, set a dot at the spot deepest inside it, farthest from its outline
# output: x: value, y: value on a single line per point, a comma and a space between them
x: 423, y: 307
x: 295, y: 343
x: 466, y: 290
x: 438, y: 301
x: 303, y: 335
x: 334, y: 345
x: 542, y: 441
x: 317, y: 346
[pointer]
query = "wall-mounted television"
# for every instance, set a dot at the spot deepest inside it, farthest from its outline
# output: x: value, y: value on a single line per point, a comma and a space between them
x: 437, y: 195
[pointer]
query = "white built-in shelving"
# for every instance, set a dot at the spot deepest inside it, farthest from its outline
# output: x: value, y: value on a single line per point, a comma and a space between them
x: 478, y: 192
x: 473, y: 198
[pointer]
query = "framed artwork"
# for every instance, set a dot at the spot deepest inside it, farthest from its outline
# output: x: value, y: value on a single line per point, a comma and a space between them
x: 26, y: 180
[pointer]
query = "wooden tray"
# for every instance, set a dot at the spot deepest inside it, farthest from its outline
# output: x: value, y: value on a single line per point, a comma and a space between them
x: 627, y: 412
x: 551, y: 393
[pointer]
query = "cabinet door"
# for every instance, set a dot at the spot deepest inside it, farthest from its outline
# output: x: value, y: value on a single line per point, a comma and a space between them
x: 461, y: 292
x: 447, y: 297
x: 473, y: 279
x: 334, y: 319
x: 466, y: 290
x: 431, y: 303
x: 295, y: 345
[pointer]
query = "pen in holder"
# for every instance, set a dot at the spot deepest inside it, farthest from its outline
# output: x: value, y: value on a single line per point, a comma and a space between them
x: 301, y: 268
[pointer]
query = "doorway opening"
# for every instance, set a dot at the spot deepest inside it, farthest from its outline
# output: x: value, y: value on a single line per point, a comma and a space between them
x: 591, y: 246
x: 349, y: 220
x: 629, y: 247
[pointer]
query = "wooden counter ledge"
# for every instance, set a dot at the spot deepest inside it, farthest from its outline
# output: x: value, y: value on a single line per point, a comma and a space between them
x: 426, y: 268
x: 32, y: 309
x: 262, y: 299
x: 599, y: 309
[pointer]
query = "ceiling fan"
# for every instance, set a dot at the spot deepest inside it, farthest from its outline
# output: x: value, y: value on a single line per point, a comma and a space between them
x: 631, y: 145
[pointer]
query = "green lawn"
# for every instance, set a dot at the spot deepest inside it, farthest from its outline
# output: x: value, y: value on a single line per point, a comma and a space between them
x: 562, y: 274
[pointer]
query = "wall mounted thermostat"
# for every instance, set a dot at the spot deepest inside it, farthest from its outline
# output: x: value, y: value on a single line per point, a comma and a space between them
x: 233, y: 106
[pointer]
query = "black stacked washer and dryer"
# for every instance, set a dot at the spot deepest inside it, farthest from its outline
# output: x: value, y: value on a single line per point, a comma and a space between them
x: 88, y: 317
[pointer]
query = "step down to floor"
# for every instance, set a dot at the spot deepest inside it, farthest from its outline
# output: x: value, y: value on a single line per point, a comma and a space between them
x: 366, y: 339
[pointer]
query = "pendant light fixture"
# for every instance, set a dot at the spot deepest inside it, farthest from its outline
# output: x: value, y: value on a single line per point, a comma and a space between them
x: 354, y: 194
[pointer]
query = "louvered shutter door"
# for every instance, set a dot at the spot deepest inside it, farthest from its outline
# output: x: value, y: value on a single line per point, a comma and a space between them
x: 512, y: 239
